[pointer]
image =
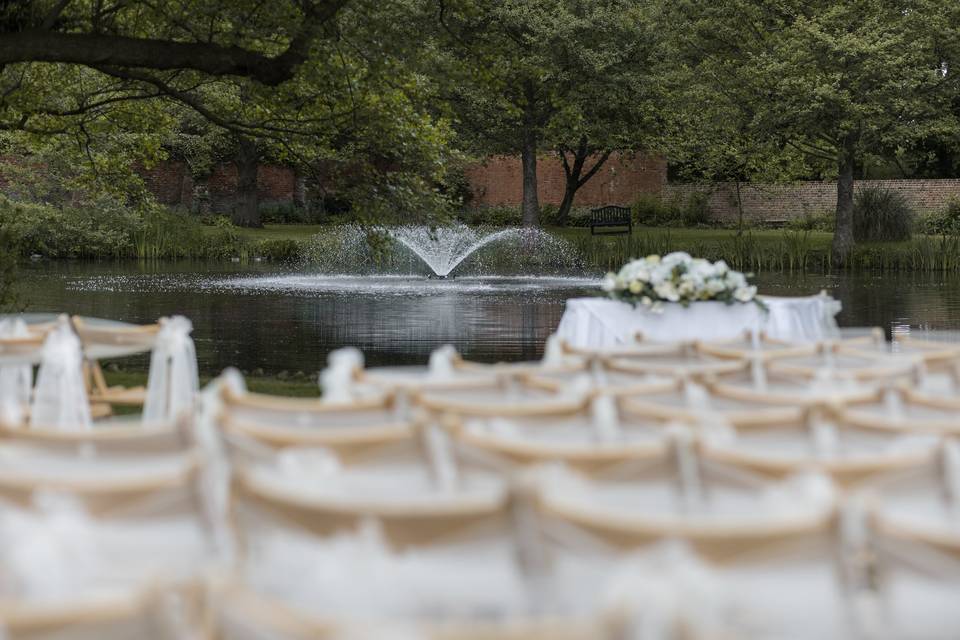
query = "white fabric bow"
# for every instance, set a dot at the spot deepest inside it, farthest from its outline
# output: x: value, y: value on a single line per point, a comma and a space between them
x: 173, y: 382
x: 16, y: 381
x: 60, y: 399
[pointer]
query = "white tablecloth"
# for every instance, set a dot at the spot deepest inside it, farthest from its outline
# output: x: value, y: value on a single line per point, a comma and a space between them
x: 599, y: 322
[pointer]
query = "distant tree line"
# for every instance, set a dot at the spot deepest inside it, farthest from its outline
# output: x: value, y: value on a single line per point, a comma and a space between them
x: 386, y: 98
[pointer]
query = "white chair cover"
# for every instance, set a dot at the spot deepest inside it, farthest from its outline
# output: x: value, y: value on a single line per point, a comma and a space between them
x: 336, y: 381
x: 16, y: 381
x: 60, y: 398
x: 173, y: 382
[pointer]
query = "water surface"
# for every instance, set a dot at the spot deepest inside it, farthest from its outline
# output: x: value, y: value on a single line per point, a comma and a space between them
x: 275, y: 319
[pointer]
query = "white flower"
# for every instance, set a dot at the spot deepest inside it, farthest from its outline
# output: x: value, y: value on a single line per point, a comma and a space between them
x: 667, y: 291
x: 677, y: 257
x: 609, y: 283
x: 715, y: 286
x: 678, y: 277
x: 745, y: 294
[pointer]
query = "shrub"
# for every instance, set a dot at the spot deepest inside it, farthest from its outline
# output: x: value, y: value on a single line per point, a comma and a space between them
x: 821, y: 221
x: 283, y: 213
x: 650, y: 209
x: 94, y: 230
x: 550, y: 215
x: 495, y: 216
x: 278, y: 250
x: 881, y: 215
x: 696, y: 211
x: 943, y: 222
x: 8, y: 269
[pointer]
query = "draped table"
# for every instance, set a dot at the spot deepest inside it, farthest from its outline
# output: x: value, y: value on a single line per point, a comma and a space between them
x: 600, y: 322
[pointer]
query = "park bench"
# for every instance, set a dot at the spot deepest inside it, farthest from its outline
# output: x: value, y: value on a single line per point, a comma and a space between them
x: 776, y: 222
x: 610, y: 217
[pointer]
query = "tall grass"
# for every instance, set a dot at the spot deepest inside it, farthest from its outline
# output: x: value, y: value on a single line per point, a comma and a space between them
x: 792, y: 251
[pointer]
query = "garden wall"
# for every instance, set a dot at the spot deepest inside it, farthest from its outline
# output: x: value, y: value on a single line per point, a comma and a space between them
x: 173, y: 185
x: 786, y: 201
x: 499, y: 180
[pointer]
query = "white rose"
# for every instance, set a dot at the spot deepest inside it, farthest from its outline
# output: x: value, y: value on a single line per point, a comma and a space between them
x: 714, y: 286
x: 677, y: 257
x: 609, y: 283
x: 653, y: 259
x: 636, y: 286
x: 745, y: 294
x: 667, y: 291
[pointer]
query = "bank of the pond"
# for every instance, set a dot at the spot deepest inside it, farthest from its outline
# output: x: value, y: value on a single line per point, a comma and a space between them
x: 753, y: 250
x: 758, y: 250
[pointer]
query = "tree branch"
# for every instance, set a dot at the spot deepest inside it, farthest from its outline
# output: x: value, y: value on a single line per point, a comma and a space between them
x: 596, y: 167
x: 98, y: 50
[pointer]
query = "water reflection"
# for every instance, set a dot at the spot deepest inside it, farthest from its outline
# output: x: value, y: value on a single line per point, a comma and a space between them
x: 261, y: 317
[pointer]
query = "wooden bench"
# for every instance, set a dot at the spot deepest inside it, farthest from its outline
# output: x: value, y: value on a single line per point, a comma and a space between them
x: 776, y: 222
x: 611, y: 217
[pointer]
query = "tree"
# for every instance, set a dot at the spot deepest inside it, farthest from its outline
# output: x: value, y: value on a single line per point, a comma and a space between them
x: 265, y: 41
x: 831, y: 80
x: 525, y: 76
x: 341, y: 110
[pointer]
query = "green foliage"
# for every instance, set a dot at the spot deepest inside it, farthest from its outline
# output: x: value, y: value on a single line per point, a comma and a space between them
x: 649, y: 209
x: 90, y: 231
x: 113, y: 231
x: 278, y: 250
x: 881, y: 215
x: 942, y: 222
x: 696, y: 210
x: 8, y: 269
x: 653, y: 211
x: 805, y: 88
x: 284, y: 213
x: 550, y: 215
x: 821, y: 221
x: 501, y: 216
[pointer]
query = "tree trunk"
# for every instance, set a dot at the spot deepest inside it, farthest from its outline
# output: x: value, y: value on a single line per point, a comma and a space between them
x: 575, y: 178
x: 531, y: 204
x: 246, y: 212
x: 843, y: 233
x: 739, y: 210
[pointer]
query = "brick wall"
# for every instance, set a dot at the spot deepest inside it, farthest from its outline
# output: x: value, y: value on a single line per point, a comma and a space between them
x: 766, y: 201
x: 499, y: 180
x: 173, y: 185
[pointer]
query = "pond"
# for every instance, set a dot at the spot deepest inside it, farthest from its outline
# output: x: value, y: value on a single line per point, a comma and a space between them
x: 267, y: 317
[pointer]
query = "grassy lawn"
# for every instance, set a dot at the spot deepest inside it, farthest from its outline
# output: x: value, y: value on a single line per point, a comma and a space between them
x: 682, y: 236
x: 756, y: 250
x: 272, y: 231
x: 272, y: 385
x: 687, y: 236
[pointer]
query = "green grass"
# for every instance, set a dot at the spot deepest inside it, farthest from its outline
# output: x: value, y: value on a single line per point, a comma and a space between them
x: 756, y: 250
x: 686, y: 236
x: 275, y: 231
x: 304, y: 388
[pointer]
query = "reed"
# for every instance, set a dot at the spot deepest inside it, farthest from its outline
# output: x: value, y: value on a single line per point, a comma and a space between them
x: 792, y: 251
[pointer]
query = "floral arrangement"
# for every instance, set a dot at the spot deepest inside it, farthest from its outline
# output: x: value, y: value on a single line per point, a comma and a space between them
x: 676, y: 277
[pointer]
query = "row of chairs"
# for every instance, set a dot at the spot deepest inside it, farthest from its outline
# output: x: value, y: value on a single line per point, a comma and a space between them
x: 654, y: 491
x: 71, y: 389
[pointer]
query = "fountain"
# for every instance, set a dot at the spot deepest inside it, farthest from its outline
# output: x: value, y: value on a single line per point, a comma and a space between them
x: 444, y: 248
x: 442, y: 251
